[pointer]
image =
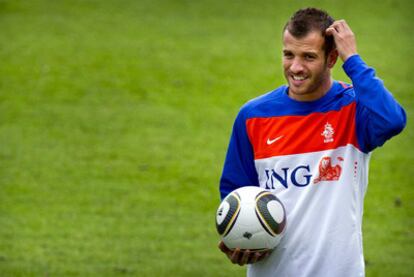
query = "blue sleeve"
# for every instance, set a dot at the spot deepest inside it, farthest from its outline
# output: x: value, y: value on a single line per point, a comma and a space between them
x: 239, y: 169
x: 378, y: 116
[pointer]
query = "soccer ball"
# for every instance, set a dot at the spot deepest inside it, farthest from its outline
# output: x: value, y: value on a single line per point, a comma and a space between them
x: 251, y: 218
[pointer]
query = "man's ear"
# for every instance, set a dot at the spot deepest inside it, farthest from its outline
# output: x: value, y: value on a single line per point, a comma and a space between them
x: 332, y: 58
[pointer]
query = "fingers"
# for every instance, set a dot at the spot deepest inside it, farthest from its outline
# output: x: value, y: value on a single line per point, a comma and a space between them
x: 242, y: 257
x: 223, y: 247
x: 226, y: 250
x: 331, y: 31
x: 344, y: 38
x: 339, y: 26
x: 264, y: 255
x: 245, y: 257
x: 335, y: 28
x: 235, y: 256
x: 255, y: 257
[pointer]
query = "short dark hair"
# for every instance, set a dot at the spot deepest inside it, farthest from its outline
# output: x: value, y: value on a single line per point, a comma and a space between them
x: 308, y: 20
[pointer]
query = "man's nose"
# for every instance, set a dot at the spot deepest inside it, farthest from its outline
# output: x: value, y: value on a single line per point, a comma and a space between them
x: 296, y: 66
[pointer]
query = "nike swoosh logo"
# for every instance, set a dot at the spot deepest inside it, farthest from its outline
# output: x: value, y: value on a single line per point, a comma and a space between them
x: 269, y: 141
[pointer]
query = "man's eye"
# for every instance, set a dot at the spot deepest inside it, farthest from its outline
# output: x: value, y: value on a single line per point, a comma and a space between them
x: 309, y: 57
x: 288, y: 55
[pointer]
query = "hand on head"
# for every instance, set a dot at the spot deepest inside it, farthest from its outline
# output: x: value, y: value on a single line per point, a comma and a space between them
x: 344, y: 39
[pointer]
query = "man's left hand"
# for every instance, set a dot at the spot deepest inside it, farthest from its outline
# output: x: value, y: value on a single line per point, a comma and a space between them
x: 344, y: 39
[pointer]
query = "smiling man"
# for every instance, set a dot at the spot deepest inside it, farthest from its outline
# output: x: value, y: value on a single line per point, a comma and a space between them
x: 310, y: 142
x: 306, y: 66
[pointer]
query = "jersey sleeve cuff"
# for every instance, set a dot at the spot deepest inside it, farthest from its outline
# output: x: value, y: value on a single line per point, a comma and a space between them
x: 352, y: 64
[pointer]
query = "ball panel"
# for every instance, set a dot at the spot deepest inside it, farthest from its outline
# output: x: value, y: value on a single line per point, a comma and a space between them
x: 272, y: 225
x: 222, y: 212
x: 264, y: 225
x: 276, y: 210
x: 225, y: 220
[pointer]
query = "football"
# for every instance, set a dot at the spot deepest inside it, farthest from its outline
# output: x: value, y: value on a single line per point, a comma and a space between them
x: 251, y: 218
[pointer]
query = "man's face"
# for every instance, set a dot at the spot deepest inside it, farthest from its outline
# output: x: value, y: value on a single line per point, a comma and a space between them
x: 306, y: 68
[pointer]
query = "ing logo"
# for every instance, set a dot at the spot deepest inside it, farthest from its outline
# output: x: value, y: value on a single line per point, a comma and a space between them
x: 301, y: 175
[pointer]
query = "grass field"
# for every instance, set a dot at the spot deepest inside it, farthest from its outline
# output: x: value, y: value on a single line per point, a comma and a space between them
x: 115, y: 118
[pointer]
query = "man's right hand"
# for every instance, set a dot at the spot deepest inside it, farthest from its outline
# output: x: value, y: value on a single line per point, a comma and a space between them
x: 242, y: 257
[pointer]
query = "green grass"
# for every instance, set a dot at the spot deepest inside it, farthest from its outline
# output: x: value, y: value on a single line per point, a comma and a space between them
x: 115, y: 118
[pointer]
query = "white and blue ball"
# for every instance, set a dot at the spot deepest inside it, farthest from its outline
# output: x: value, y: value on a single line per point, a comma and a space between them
x: 251, y: 218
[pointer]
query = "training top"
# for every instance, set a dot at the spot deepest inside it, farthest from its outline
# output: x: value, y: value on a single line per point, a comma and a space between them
x: 314, y: 156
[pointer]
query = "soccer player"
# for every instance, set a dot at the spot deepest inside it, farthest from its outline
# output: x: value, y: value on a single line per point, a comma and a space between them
x: 310, y: 142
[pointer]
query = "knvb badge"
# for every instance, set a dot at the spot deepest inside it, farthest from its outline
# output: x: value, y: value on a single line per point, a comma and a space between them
x: 328, y: 133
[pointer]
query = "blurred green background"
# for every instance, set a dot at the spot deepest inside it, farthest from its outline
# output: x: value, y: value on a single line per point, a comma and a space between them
x: 115, y: 118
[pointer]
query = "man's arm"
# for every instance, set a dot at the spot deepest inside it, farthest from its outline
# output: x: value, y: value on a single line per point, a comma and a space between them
x: 239, y: 169
x: 379, y: 117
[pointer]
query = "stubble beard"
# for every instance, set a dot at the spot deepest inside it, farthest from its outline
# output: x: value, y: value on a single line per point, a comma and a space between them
x: 317, y: 86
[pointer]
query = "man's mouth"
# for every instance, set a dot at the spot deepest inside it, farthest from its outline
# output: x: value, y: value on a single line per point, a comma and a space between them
x: 298, y: 78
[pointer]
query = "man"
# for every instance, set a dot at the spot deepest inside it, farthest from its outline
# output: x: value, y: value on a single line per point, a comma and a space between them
x: 310, y: 143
